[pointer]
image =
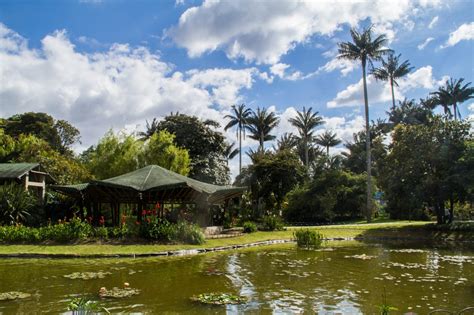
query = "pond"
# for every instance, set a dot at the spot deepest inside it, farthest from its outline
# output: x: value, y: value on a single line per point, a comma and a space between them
x: 342, y: 278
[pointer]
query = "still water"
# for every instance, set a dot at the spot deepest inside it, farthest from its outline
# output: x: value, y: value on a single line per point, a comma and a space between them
x: 344, y: 279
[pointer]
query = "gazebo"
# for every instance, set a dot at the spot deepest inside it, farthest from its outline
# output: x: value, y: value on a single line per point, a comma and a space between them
x: 151, y: 185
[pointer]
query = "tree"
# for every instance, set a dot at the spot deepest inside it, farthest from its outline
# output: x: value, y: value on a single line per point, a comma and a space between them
x: 116, y: 154
x: 409, y: 112
x: 435, y: 173
x: 150, y: 130
x: 306, y: 121
x: 239, y: 118
x: 260, y: 124
x: 230, y: 152
x: 271, y: 176
x: 332, y: 195
x: 206, y: 146
x: 60, y: 134
x: 452, y: 94
x: 364, y: 49
x: 328, y: 139
x: 391, y: 70
x: 287, y: 141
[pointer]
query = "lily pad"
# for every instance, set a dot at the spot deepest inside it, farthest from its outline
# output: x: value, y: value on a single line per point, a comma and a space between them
x: 13, y: 295
x: 118, y: 293
x: 88, y: 275
x: 218, y: 298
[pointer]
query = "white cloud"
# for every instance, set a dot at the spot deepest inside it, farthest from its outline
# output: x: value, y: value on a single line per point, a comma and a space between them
x: 279, y: 69
x: 471, y: 112
x: 344, y: 65
x: 464, y: 32
x: 116, y: 88
x: 380, y: 91
x: 425, y: 43
x: 433, y: 22
x: 271, y: 29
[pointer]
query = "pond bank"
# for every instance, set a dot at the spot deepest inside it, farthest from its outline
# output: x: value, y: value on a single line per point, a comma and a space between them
x: 403, y: 231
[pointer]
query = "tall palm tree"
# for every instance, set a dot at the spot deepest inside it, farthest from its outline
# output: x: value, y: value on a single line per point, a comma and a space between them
x: 391, y: 70
x: 287, y: 141
x: 260, y: 124
x: 239, y: 118
x: 452, y: 94
x: 328, y: 139
x: 150, y: 129
x: 306, y: 121
x: 365, y: 49
x: 230, y: 152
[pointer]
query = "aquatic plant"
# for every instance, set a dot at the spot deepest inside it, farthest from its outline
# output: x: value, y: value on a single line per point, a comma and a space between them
x: 385, y: 308
x: 13, y: 295
x: 308, y: 239
x: 83, y: 306
x: 218, y: 298
x: 87, y: 275
x: 118, y: 293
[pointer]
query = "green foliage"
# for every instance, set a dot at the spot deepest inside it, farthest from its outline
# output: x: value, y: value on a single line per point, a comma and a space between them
x: 272, y: 176
x: 272, y: 223
x: 60, y: 135
x: 332, y: 195
x: 83, y: 306
x: 308, y: 239
x: 249, y: 227
x: 101, y: 232
x: 205, y: 145
x: 158, y: 229
x: 16, y: 204
x: 117, y: 154
x: 219, y: 298
x: 189, y: 233
x: 436, y: 172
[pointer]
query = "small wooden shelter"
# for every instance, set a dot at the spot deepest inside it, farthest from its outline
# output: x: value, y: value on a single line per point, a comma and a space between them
x: 150, y: 185
x: 30, y: 175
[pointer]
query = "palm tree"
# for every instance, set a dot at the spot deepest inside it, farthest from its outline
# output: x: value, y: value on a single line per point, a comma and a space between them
x: 260, y: 124
x: 150, y: 129
x: 364, y: 49
x: 452, y: 94
x: 328, y: 139
x: 305, y: 122
x: 287, y: 141
x: 239, y: 119
x: 230, y: 152
x: 391, y: 70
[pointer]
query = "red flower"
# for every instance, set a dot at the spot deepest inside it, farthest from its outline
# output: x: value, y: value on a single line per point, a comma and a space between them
x: 143, y: 212
x: 102, y: 220
x: 137, y: 222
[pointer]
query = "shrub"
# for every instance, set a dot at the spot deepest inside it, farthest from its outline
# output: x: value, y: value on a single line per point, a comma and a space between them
x: 272, y: 223
x: 158, y: 229
x: 101, y: 232
x: 190, y: 233
x: 249, y: 227
x: 308, y: 239
x: 18, y: 234
x: 15, y: 204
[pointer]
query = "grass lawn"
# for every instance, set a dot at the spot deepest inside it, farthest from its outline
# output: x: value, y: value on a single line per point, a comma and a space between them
x: 385, y: 229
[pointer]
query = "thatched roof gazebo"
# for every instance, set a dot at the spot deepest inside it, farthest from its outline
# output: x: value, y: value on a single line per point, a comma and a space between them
x: 149, y: 185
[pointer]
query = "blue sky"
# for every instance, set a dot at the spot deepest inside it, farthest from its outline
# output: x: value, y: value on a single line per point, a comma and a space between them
x: 105, y: 64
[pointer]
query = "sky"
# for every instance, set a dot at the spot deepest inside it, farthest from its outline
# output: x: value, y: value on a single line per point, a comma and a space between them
x: 103, y: 64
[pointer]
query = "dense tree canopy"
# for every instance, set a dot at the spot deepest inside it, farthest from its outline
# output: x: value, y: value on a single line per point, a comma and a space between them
x: 205, y: 145
x: 116, y: 154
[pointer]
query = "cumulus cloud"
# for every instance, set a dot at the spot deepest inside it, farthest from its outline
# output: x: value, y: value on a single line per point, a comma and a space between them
x: 271, y: 29
x: 433, y: 22
x: 120, y: 87
x: 280, y: 70
x: 464, y: 32
x: 425, y: 43
x: 380, y: 91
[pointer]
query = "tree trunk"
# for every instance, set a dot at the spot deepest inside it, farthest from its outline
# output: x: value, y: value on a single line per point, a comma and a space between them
x: 306, y: 152
x: 261, y: 141
x: 451, y: 209
x: 327, y: 150
x: 455, y: 111
x: 240, y: 151
x: 393, y: 93
x: 367, y: 148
